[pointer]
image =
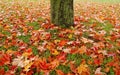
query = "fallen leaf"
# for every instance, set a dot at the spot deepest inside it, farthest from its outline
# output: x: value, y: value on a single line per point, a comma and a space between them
x: 59, y: 72
x: 62, y: 43
x: 82, y: 49
x: 27, y: 67
x: 83, y: 69
x: 55, y: 52
x: 98, y: 71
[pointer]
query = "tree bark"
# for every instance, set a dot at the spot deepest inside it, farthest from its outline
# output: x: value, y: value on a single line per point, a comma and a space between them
x: 62, y: 12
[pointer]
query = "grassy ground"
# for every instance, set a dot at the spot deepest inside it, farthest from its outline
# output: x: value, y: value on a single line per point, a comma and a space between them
x: 31, y: 45
x: 100, y: 1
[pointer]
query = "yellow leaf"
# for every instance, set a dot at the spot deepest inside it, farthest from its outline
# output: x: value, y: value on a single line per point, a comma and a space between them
x: 26, y: 54
x: 56, y: 41
x: 70, y: 36
x: 102, y: 17
x: 40, y: 29
x: 72, y: 27
x: 49, y: 47
x: 55, y: 52
x: 10, y: 51
x: 82, y: 68
x: 5, y: 46
x: 26, y: 68
x: 108, y: 37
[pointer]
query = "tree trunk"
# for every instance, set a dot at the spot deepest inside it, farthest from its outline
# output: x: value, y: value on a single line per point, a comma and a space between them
x: 62, y: 12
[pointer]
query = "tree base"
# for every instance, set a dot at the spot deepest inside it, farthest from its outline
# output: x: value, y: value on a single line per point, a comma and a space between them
x: 62, y: 12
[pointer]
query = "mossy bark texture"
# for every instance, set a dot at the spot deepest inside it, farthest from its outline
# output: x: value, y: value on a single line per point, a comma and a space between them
x: 62, y: 12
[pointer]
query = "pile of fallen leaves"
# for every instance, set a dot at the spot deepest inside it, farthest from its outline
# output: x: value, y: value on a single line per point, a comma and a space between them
x: 31, y: 45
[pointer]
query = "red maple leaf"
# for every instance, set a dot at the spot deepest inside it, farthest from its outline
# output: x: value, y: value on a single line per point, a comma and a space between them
x: 4, y: 59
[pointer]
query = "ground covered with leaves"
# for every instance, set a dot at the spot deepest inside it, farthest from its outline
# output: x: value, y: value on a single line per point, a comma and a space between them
x: 31, y: 45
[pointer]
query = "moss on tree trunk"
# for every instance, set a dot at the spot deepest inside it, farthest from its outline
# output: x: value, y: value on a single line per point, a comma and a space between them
x: 62, y: 12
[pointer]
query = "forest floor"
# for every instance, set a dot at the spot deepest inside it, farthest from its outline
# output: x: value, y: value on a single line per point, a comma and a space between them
x: 99, y: 1
x: 31, y: 45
